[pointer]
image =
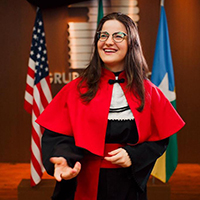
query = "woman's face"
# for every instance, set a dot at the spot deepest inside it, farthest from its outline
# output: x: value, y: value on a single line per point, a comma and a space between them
x: 113, y: 53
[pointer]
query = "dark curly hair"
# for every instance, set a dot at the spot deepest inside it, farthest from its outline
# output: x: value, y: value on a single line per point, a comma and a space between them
x: 135, y: 63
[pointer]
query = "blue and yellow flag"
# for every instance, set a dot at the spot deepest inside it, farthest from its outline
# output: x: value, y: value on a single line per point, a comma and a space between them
x: 163, y: 77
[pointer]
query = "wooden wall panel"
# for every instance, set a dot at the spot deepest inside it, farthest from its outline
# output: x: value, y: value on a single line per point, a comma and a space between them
x: 17, y: 18
x: 16, y: 23
x: 184, y: 31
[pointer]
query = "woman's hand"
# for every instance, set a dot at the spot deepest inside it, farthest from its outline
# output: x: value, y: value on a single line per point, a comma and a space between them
x: 119, y: 157
x: 62, y: 169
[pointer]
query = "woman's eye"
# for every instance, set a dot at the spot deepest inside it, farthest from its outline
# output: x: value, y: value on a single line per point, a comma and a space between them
x: 118, y: 36
x: 103, y: 35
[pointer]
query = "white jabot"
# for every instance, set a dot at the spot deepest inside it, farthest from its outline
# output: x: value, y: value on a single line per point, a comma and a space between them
x: 118, y: 102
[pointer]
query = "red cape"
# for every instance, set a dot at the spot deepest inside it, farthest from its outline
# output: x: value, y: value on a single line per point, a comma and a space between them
x: 68, y: 115
x: 87, y: 123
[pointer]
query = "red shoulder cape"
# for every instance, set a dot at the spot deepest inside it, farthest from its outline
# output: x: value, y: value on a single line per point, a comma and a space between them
x: 67, y: 114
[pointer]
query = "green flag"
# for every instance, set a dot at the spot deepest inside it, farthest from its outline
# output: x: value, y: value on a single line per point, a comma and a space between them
x: 100, y: 11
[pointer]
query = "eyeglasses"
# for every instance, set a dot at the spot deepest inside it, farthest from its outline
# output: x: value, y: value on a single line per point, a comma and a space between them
x: 117, y: 36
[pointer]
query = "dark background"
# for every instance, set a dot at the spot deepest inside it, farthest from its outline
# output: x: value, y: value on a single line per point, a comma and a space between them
x: 16, y: 24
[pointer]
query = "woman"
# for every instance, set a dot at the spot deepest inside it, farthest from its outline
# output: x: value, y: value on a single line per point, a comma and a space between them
x: 105, y: 130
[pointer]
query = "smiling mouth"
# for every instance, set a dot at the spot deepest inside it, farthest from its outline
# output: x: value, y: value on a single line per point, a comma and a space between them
x: 110, y: 50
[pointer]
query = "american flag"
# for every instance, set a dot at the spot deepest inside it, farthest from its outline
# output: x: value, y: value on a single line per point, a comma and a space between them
x: 37, y: 94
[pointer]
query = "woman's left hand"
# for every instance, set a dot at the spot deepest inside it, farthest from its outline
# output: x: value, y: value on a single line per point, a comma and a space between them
x: 119, y: 157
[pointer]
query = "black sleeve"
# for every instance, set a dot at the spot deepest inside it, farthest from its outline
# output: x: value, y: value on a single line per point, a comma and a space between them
x: 143, y: 157
x: 56, y: 145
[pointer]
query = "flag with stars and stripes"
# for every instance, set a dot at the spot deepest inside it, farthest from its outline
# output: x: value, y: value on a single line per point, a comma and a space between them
x: 37, y: 94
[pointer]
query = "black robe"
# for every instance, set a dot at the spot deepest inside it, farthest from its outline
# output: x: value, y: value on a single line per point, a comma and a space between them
x: 114, y: 184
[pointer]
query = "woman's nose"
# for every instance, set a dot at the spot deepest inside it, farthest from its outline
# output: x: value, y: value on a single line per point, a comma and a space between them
x: 110, y: 40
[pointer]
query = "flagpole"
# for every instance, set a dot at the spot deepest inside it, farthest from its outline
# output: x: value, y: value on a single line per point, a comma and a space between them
x: 153, y: 177
x: 153, y: 180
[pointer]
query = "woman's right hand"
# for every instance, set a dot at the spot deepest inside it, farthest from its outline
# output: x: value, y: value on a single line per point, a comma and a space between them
x: 62, y: 170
